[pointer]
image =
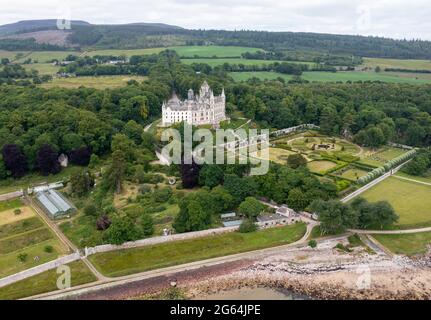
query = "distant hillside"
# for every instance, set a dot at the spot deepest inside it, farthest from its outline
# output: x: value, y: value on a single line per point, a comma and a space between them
x: 32, y: 35
x: 34, y: 25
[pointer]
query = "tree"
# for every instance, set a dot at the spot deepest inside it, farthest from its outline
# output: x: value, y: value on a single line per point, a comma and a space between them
x: 122, y: 229
x: 335, y: 217
x: 113, y: 178
x: 297, y: 199
x: 121, y: 142
x: 189, y: 174
x: 103, y: 222
x: 47, y: 160
x: 373, y: 215
x: 239, y: 188
x: 81, y: 183
x: 296, y: 160
x: 3, y: 171
x: 80, y: 156
x: 312, y: 243
x: 147, y: 140
x: 14, y: 160
x: 147, y: 225
x: 247, y: 226
x: 211, y: 175
x: 133, y: 130
x: 251, y: 208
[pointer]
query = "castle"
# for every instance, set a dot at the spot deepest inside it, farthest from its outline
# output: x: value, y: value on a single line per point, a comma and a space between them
x: 201, y: 109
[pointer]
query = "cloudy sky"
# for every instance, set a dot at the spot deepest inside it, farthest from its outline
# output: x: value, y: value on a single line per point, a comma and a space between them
x: 392, y: 18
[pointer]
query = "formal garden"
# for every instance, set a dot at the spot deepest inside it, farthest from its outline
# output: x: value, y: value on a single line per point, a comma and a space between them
x: 25, y: 241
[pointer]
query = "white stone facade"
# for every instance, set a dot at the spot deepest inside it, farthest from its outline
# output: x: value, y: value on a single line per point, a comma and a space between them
x: 204, y: 108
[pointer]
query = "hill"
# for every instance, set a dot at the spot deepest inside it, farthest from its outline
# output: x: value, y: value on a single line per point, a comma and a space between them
x: 151, y: 35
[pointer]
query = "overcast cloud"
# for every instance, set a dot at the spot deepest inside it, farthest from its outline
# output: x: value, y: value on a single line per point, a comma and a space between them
x: 390, y: 18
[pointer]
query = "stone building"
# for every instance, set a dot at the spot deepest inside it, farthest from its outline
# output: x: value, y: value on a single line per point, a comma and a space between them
x: 203, y: 108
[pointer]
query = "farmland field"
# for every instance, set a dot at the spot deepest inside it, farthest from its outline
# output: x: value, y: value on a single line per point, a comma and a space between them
x: 42, y: 68
x: 123, y: 52
x: 408, y: 244
x: 397, y: 63
x: 102, y: 82
x: 411, y: 200
x: 337, y: 76
x: 46, y: 282
x: 124, y: 262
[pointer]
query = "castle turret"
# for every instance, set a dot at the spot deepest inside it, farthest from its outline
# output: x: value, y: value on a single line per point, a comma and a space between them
x: 190, y: 94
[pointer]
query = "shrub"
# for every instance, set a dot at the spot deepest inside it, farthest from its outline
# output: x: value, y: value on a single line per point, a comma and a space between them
x: 48, y: 249
x: 312, y: 243
x: 247, y: 226
x: 90, y: 210
x: 17, y: 212
x: 22, y: 257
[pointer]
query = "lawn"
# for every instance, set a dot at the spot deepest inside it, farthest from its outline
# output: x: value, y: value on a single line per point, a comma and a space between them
x: 408, y: 244
x: 353, y: 174
x: 124, y: 262
x: 320, y: 166
x: 81, y: 231
x: 426, y: 178
x: 9, y: 263
x: 397, y: 63
x: 338, y: 76
x: 102, y: 82
x: 46, y: 282
x: 411, y: 201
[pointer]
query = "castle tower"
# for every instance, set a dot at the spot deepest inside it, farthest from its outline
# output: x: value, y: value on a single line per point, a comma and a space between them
x: 190, y: 94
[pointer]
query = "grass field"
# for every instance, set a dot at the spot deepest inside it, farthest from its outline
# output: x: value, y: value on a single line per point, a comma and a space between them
x: 379, y: 157
x: 408, y: 244
x: 102, y: 82
x: 246, y: 62
x: 124, y: 262
x: 42, y: 68
x: 46, y: 56
x: 426, y: 179
x: 46, y: 282
x: 338, y: 76
x: 411, y: 201
x: 183, y: 51
x: 397, y: 63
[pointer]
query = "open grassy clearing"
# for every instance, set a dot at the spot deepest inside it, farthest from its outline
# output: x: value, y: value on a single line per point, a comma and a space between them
x: 397, y: 63
x: 46, y: 282
x: 26, y: 239
x: 337, y: 76
x: 124, y: 262
x: 377, y: 158
x: 42, y: 68
x: 10, y: 204
x: 81, y: 227
x: 411, y: 201
x: 121, y: 52
x: 210, y: 51
x: 102, y: 82
x: 10, y: 54
x: 408, y: 244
